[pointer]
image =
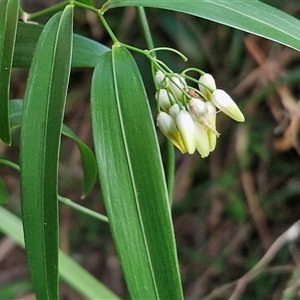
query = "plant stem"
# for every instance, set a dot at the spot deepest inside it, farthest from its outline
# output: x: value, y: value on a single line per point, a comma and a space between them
x: 82, y: 5
x: 10, y: 164
x: 145, y: 28
x: 83, y: 209
x: 64, y: 200
x: 170, y: 170
x: 105, y: 24
x: 51, y: 10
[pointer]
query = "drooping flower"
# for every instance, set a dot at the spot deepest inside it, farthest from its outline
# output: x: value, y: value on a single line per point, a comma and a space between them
x: 211, y: 120
x: 188, y: 116
x: 204, y: 116
x: 176, y: 85
x: 186, y: 128
x: 224, y: 103
x: 197, y: 108
x: 167, y: 126
x: 165, y: 99
x: 159, y: 78
x: 207, y: 85
x: 174, y: 110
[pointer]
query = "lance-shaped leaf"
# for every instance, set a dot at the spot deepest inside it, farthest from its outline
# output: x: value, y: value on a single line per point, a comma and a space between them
x: 8, y: 27
x: 71, y: 272
x: 132, y: 178
x: 42, y: 116
x: 87, y: 156
x: 88, y: 161
x: 86, y: 52
x: 250, y: 16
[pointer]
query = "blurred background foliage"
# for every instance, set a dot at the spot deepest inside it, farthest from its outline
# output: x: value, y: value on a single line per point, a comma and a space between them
x: 228, y: 209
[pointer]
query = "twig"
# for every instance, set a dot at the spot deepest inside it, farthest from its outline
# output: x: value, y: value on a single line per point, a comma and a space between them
x: 255, y: 210
x: 221, y: 290
x: 288, y: 236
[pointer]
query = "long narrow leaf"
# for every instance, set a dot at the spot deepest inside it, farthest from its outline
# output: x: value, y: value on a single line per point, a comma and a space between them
x: 87, y: 156
x: 69, y: 270
x: 86, y: 52
x: 88, y: 161
x: 8, y: 27
x: 132, y: 179
x: 3, y: 193
x: 248, y: 15
x: 42, y: 116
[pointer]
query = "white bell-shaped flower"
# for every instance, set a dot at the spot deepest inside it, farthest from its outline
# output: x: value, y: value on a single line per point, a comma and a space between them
x: 174, y: 110
x: 176, y: 85
x: 165, y: 99
x: 224, y: 102
x: 207, y: 85
x: 186, y: 127
x: 197, y: 108
x: 167, y: 126
x: 202, y: 140
x: 159, y: 78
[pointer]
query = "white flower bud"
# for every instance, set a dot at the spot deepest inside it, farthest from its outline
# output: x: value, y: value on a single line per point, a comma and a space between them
x: 174, y: 110
x: 202, y: 140
x: 197, y: 108
x: 167, y: 126
x: 165, y: 99
x: 212, y: 139
x: 186, y: 128
x: 176, y: 86
x: 211, y: 115
x: 224, y: 102
x: 206, y: 85
x: 211, y: 125
x: 159, y: 77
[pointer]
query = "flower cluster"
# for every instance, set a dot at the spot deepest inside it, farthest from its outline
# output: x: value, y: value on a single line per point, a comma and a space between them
x: 187, y: 116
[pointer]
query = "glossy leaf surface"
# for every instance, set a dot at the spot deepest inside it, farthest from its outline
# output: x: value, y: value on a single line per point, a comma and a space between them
x: 87, y: 156
x: 132, y: 178
x: 8, y: 27
x: 42, y: 116
x: 88, y: 161
x: 86, y: 52
x: 71, y: 272
x: 251, y: 16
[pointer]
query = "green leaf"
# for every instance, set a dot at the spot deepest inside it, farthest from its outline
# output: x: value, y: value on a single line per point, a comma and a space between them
x: 69, y: 270
x: 42, y: 116
x: 250, y: 16
x: 3, y: 193
x: 86, y: 52
x: 132, y: 178
x: 87, y: 156
x: 88, y: 161
x: 8, y: 27
x: 87, y: 2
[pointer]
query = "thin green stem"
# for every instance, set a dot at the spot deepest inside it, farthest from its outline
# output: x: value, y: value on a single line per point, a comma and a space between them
x: 48, y: 11
x: 193, y: 69
x: 160, y: 65
x: 172, y: 50
x: 108, y: 29
x: 145, y: 28
x: 83, y: 209
x: 21, y: 10
x: 10, y: 164
x: 170, y: 170
x: 85, y: 6
x: 64, y: 200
